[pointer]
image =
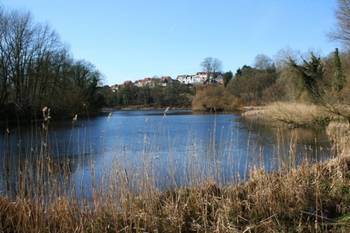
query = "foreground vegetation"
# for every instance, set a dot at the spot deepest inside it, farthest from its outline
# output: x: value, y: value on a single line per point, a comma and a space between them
x: 312, y: 198
x: 307, y: 198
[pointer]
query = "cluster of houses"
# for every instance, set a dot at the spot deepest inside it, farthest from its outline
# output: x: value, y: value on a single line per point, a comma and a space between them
x: 152, y: 82
x: 201, y: 78
x: 187, y: 79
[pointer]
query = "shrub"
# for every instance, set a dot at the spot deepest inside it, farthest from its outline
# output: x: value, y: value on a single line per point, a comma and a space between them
x: 214, y: 99
x: 250, y: 83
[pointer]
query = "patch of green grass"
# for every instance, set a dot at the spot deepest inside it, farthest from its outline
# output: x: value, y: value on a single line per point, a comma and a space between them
x: 344, y: 218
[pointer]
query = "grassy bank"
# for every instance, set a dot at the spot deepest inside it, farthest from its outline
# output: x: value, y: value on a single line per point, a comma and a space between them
x: 293, y: 115
x: 312, y: 198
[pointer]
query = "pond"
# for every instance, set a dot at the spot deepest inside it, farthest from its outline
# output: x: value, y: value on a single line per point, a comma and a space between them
x: 172, y: 150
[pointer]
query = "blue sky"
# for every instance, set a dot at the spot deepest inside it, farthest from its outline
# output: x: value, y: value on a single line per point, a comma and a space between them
x: 131, y: 39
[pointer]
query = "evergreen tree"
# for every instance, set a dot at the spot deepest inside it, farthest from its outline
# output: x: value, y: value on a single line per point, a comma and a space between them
x: 312, y: 72
x: 338, y: 81
x: 227, y: 77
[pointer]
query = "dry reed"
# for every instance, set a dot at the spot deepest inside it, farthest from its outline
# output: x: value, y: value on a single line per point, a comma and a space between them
x: 292, y: 114
x: 308, y: 198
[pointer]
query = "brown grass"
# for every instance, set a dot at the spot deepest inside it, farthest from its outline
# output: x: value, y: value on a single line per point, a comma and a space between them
x: 312, y: 198
x: 291, y: 114
x: 339, y: 133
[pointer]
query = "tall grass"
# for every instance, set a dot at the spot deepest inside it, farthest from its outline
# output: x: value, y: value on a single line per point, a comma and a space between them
x: 292, y: 114
x: 308, y: 198
x: 339, y: 133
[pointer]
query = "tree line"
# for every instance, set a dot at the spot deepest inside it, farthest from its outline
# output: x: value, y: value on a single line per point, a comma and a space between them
x: 309, y: 78
x: 291, y: 77
x: 174, y: 94
x: 37, y: 70
x: 297, y: 78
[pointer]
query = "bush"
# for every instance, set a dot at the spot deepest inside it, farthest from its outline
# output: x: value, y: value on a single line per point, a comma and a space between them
x: 250, y: 84
x: 214, y: 99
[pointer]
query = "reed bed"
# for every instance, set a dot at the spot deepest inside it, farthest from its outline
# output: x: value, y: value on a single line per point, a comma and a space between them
x: 339, y: 133
x: 305, y: 198
x: 294, y: 115
x: 311, y: 198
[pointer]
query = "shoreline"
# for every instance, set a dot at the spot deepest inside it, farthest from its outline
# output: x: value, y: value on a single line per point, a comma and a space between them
x: 310, y: 198
x: 307, y: 198
x: 143, y: 108
x: 290, y: 114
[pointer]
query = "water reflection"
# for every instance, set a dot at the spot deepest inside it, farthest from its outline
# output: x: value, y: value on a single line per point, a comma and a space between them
x: 179, y: 149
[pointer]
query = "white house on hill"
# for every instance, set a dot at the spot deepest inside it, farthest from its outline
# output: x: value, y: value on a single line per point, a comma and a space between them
x: 200, y: 78
x: 188, y: 79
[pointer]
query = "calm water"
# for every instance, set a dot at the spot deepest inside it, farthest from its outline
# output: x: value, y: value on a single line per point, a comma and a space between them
x: 179, y: 149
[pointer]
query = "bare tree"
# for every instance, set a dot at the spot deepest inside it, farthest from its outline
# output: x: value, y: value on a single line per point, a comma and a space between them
x: 263, y: 62
x: 283, y: 56
x: 342, y: 33
x: 207, y: 65
x: 36, y: 69
x: 211, y: 66
x: 4, y: 82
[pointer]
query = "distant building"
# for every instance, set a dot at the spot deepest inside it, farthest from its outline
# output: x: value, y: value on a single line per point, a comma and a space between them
x: 200, y: 78
x: 138, y: 83
x: 144, y: 82
x: 213, y: 77
x: 219, y: 79
x: 115, y: 87
x: 202, y: 75
x: 190, y: 79
x: 128, y: 83
x: 166, y: 80
x: 152, y: 82
x: 186, y: 79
